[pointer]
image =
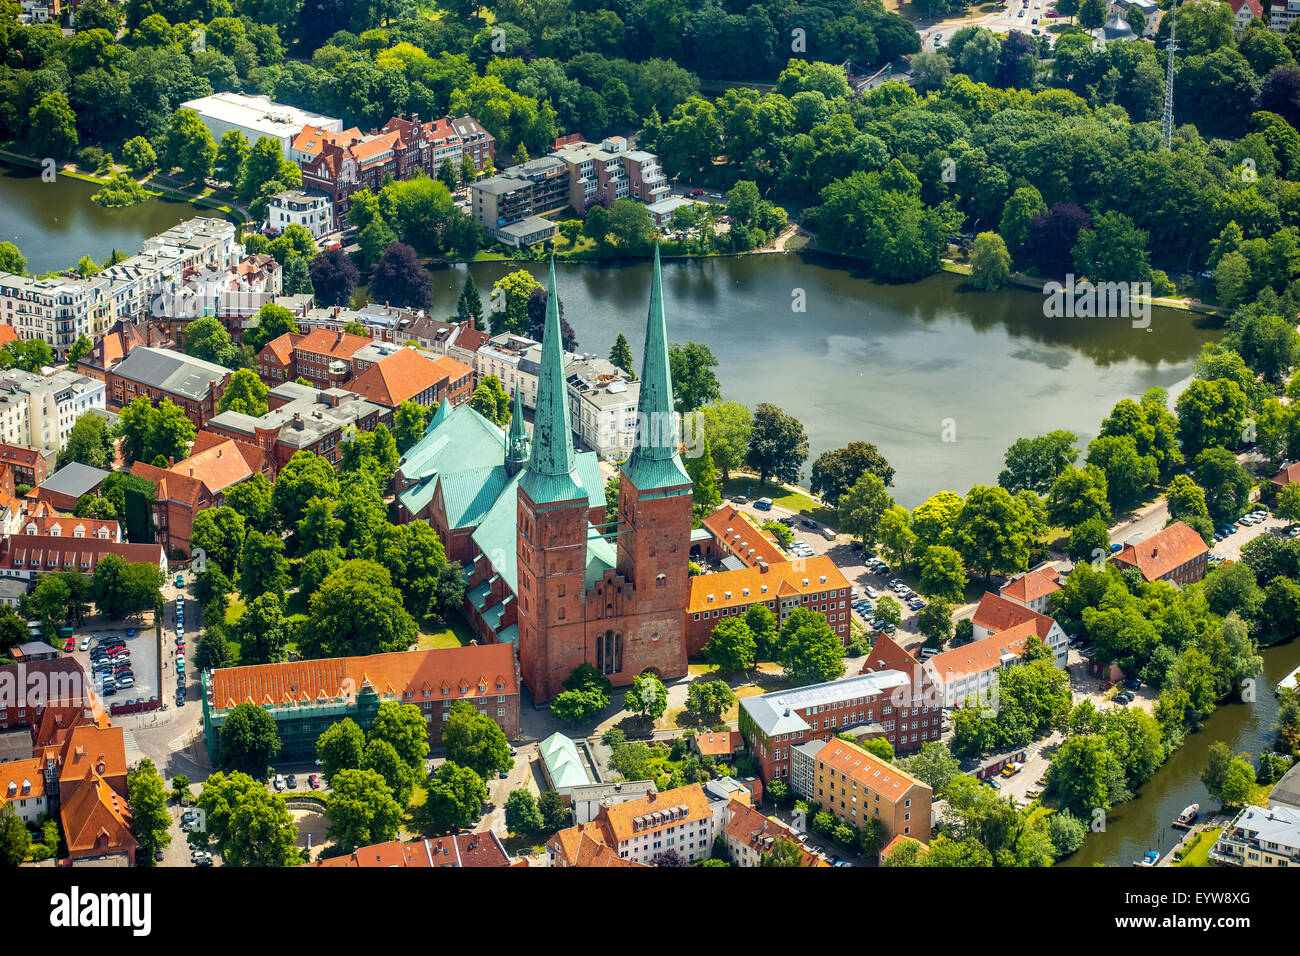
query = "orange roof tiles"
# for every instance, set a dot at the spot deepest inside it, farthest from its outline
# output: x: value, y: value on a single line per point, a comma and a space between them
x: 620, y: 820
x: 97, y: 820
x: 979, y: 656
x: 870, y: 772
x: 21, y: 780
x: 896, y: 842
x: 221, y: 464
x: 722, y: 744
x: 312, y: 139
x: 7, y: 334
x: 1164, y: 551
x: 998, y: 614
x: 405, y: 374
x: 584, y: 845
x: 753, y: 585
x: 1034, y: 585
x: 475, y: 850
x: 733, y: 530
x: 90, y: 748
x: 490, y: 667
x: 40, y: 552
x: 760, y: 832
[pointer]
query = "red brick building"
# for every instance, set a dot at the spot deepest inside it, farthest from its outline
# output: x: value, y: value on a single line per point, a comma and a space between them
x: 193, y: 384
x: 410, y: 375
x: 322, y: 356
x: 29, y: 466
x: 1176, y: 554
x: 815, y: 584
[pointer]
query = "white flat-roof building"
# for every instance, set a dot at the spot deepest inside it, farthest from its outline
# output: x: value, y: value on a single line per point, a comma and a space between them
x: 256, y: 116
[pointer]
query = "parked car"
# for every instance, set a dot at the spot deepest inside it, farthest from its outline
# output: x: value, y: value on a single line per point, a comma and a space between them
x: 740, y: 499
x: 809, y: 523
x: 291, y: 781
x: 279, y: 781
x: 763, y: 504
x: 85, y: 643
x: 127, y: 681
x: 313, y: 781
x: 871, y: 592
x: 697, y: 192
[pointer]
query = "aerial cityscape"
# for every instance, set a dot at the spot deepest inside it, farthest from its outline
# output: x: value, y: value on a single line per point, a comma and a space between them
x: 633, y: 434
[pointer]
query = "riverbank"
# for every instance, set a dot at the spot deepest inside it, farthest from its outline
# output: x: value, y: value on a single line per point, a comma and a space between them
x: 209, y: 197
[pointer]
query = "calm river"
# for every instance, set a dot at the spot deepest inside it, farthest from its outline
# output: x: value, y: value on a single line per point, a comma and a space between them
x: 55, y: 224
x: 896, y: 365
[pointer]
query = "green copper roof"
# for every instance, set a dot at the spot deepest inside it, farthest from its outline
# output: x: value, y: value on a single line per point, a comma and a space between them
x: 464, y: 451
x: 655, y: 462
x: 497, y: 533
x: 601, y: 556
x: 517, y: 438
x: 563, y: 764
x: 550, y: 475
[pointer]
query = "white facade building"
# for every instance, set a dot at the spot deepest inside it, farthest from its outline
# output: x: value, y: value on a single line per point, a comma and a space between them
x: 310, y: 208
x: 39, y: 411
x: 257, y: 116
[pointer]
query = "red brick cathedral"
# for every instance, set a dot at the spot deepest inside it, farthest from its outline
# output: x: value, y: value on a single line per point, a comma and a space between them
x: 544, y: 570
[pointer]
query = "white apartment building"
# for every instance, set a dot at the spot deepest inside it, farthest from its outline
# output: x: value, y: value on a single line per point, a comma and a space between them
x: 602, y: 406
x: 310, y: 208
x: 58, y: 310
x: 39, y: 411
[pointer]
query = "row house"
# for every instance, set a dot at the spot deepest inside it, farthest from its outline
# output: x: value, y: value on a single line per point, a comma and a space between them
x: 814, y: 584
x: 38, y: 411
x: 28, y: 465
x: 58, y: 309
x: 341, y: 163
x: 27, y: 557
x: 885, y: 703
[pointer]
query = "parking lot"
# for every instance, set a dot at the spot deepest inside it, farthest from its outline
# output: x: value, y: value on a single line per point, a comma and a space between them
x: 143, y: 661
x: 1230, y: 547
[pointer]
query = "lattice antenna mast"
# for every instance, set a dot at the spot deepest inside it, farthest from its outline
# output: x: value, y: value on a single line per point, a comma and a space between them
x: 1167, y: 118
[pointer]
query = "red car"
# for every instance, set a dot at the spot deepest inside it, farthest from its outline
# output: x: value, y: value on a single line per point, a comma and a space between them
x: 70, y: 646
x: 314, y: 781
x: 697, y: 192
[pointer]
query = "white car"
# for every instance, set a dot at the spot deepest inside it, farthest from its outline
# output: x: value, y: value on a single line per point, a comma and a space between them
x: 871, y: 592
x: 85, y: 644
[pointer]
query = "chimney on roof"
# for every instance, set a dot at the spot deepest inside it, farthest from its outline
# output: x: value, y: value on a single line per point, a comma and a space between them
x: 1155, y: 550
x: 170, y: 460
x: 218, y: 452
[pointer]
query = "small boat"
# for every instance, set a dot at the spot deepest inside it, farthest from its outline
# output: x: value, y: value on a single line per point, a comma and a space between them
x: 1290, y: 682
x: 1152, y: 856
x: 1188, y: 817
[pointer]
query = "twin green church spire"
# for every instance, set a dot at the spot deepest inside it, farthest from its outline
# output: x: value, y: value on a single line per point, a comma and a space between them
x: 551, y: 474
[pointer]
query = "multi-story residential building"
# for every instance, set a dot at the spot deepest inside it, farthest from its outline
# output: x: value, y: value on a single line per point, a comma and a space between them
x: 41, y: 518
x: 1176, y: 554
x: 602, y: 174
x: 586, y: 799
x: 603, y: 405
x: 59, y: 309
x: 255, y: 117
x: 32, y: 685
x: 193, y: 384
x: 1259, y: 837
x: 38, y: 411
x: 751, y: 836
x: 884, y: 703
x: 26, y: 556
x: 345, y: 162
x: 854, y: 786
x: 959, y: 674
x: 1281, y: 15
x: 306, y: 697
x: 643, y: 829
x: 1033, y: 589
x: 997, y: 614
x: 814, y: 584
x: 1243, y: 11
x: 514, y: 360
x: 22, y: 786
x: 322, y: 356
x: 302, y: 418
x: 29, y: 465
x: 389, y: 375
x: 184, y: 488
x: 310, y: 208
x: 506, y: 206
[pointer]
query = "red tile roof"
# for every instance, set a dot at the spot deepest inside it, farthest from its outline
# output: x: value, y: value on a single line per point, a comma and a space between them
x: 458, y: 850
x: 1256, y: 8
x: 721, y: 744
x: 1288, y: 475
x: 584, y: 845
x: 7, y: 334
x: 871, y: 773
x: 221, y: 463
x: 1164, y: 551
x: 1034, y: 585
x: 38, y: 552
x: 998, y: 614
x: 979, y: 656
x: 405, y: 374
x: 96, y: 820
x: 460, y: 671
x: 733, y: 531
x: 760, y: 833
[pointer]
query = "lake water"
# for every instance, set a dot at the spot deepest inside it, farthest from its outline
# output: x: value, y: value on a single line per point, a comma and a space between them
x: 901, y: 366
x: 55, y: 224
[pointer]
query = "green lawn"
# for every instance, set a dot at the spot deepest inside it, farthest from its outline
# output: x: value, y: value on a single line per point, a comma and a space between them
x: 781, y: 496
x: 457, y: 633
x: 1197, y: 851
